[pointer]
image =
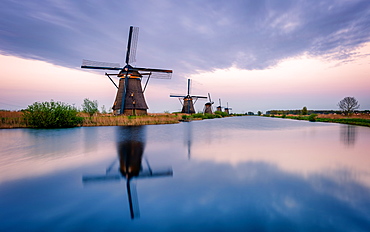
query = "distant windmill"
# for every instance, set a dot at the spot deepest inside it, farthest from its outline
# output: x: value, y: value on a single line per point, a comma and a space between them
x: 219, y: 108
x: 208, y: 105
x: 188, y: 104
x: 130, y: 98
x: 227, y: 109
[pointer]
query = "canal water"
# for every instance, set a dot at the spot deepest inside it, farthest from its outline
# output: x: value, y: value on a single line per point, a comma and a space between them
x: 230, y: 174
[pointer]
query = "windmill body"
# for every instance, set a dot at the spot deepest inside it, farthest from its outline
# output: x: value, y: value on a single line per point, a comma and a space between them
x: 188, y: 104
x: 130, y: 98
x: 219, y: 108
x: 134, y: 100
x: 227, y: 109
x: 208, y: 106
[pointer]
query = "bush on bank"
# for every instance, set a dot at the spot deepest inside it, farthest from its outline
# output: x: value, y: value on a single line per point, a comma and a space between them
x: 51, y: 115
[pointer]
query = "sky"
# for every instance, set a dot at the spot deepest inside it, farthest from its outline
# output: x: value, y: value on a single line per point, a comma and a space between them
x: 250, y: 55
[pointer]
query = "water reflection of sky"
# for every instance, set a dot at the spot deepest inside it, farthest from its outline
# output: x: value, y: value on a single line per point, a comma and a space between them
x: 235, y: 174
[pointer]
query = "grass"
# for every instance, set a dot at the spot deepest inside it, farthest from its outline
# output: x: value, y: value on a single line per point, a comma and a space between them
x: 150, y: 119
x: 356, y: 119
x: 12, y: 119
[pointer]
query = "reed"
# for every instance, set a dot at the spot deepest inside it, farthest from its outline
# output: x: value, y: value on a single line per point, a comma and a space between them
x: 151, y: 119
x: 12, y: 119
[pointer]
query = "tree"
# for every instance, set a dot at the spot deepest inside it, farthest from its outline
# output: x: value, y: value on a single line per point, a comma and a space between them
x: 348, y: 105
x: 90, y: 107
x: 103, y: 110
x: 304, y: 111
x: 51, y: 115
x: 259, y: 113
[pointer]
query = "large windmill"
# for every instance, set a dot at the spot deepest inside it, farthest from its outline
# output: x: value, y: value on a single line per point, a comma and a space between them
x: 188, y: 104
x: 208, y: 105
x: 130, y: 98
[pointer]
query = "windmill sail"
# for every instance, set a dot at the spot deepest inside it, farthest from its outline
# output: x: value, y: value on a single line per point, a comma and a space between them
x: 100, y: 65
x: 132, y: 45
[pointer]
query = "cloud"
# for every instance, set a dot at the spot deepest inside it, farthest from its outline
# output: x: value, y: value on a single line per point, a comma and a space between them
x: 186, y: 36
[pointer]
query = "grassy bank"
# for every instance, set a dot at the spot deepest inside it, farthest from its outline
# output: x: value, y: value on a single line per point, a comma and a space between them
x: 150, y: 119
x: 10, y: 119
x: 359, y: 120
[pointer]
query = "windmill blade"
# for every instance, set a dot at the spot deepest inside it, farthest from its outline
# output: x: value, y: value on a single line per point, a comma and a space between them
x: 132, y: 199
x: 161, y: 75
x: 90, y: 64
x: 189, y: 86
x: 177, y: 96
x: 152, y: 70
x: 198, y: 97
x: 101, y: 178
x: 151, y: 173
x: 135, y: 37
x: 132, y: 44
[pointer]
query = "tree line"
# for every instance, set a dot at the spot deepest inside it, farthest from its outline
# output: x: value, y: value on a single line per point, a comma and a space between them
x: 347, y: 106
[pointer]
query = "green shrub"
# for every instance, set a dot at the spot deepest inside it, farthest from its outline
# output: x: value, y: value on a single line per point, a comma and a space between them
x: 312, y: 117
x: 198, y: 115
x: 51, y: 115
x: 210, y: 116
x: 222, y: 114
x: 90, y: 107
x: 185, y: 117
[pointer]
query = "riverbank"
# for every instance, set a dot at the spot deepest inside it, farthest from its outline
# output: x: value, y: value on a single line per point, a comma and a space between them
x: 11, y: 119
x: 358, y: 120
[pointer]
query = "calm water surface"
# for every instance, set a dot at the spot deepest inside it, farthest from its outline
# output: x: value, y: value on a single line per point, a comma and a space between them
x: 232, y: 174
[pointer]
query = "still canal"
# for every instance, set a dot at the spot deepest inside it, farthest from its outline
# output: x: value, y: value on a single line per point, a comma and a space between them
x: 230, y: 174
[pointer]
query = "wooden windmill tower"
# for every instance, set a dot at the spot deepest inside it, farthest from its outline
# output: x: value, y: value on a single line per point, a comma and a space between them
x: 208, y: 105
x: 188, y: 104
x: 130, y: 98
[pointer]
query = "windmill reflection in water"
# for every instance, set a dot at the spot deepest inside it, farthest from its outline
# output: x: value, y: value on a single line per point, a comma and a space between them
x: 130, y: 146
